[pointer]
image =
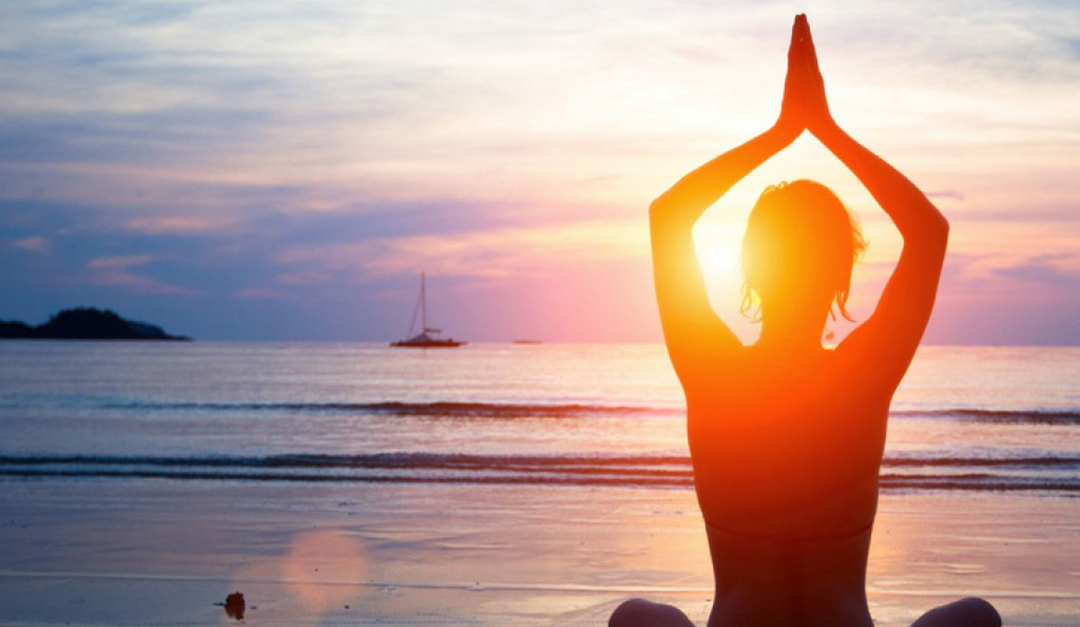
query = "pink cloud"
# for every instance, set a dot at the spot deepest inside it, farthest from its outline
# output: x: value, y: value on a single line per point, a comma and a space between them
x: 114, y: 272
x: 160, y: 225
x: 118, y: 262
x: 492, y: 254
x: 33, y: 244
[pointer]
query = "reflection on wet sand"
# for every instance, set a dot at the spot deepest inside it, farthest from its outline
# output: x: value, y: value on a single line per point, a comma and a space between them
x: 457, y: 555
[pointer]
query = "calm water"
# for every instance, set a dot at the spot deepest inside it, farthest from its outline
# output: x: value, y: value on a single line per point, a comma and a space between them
x: 972, y: 418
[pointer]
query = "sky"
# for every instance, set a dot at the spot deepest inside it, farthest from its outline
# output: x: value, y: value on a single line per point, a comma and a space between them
x: 253, y: 170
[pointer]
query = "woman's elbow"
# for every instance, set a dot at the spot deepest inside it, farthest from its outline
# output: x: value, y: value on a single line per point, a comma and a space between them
x: 934, y: 239
x: 941, y: 231
x: 657, y: 208
x: 667, y: 211
x: 928, y: 240
x: 932, y: 231
x: 671, y: 212
x: 658, y: 214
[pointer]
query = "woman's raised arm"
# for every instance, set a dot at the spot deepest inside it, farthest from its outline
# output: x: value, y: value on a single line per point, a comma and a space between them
x: 692, y: 330
x: 890, y: 336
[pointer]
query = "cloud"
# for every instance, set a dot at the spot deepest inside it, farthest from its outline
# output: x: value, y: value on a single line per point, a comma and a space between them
x: 945, y: 193
x: 159, y: 225
x: 114, y: 272
x: 118, y: 263
x: 1048, y: 270
x: 498, y: 253
x: 38, y: 245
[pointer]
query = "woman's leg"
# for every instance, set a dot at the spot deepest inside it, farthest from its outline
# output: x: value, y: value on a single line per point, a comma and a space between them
x: 642, y: 613
x: 970, y: 612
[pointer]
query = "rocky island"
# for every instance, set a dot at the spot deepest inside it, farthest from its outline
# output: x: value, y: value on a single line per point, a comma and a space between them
x: 86, y: 323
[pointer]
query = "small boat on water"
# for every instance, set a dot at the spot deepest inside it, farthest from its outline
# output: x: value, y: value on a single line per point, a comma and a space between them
x: 426, y: 338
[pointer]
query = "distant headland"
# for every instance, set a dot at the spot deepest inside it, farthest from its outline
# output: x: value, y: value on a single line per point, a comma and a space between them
x: 86, y: 323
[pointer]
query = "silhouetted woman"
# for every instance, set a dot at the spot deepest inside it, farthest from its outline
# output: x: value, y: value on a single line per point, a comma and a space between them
x: 787, y: 436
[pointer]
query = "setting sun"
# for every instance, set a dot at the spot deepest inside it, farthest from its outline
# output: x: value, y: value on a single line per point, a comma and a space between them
x: 719, y: 261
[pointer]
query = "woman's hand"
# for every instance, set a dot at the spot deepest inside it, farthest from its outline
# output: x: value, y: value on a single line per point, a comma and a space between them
x: 805, y: 105
x: 791, y: 122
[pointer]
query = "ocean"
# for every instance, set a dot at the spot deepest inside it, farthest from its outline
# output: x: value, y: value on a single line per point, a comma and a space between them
x: 968, y: 419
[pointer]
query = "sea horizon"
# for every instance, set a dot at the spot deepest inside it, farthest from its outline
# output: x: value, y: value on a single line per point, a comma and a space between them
x: 525, y: 341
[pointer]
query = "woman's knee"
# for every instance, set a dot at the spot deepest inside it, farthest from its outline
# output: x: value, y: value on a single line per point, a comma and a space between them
x: 969, y: 612
x: 981, y: 612
x: 626, y: 614
x: 642, y: 613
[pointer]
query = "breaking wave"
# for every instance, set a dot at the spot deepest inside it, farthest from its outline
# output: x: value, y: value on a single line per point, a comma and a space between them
x: 1048, y: 474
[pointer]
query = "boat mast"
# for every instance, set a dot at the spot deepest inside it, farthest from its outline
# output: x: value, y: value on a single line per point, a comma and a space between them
x: 423, y: 303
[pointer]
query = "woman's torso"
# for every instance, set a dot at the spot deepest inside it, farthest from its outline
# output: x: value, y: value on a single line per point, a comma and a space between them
x: 786, y: 447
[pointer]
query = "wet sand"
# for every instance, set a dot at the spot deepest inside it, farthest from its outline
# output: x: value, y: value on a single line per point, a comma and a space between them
x: 92, y: 552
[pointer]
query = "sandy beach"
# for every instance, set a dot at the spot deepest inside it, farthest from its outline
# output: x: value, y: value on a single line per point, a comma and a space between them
x: 160, y: 552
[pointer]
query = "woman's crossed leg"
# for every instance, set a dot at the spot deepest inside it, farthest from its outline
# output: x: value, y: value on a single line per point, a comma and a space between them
x: 969, y: 612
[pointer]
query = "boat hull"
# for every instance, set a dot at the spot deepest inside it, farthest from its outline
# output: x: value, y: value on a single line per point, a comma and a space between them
x: 427, y: 344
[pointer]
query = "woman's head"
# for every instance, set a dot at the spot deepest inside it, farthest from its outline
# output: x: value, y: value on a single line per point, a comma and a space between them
x: 798, y: 251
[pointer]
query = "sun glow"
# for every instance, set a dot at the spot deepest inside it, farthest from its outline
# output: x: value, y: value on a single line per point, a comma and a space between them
x: 718, y: 254
x: 719, y: 262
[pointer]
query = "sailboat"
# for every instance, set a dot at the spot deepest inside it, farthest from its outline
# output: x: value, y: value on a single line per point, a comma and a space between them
x: 426, y: 338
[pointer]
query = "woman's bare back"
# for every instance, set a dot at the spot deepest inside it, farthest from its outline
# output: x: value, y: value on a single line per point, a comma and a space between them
x: 786, y: 468
x: 783, y: 446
